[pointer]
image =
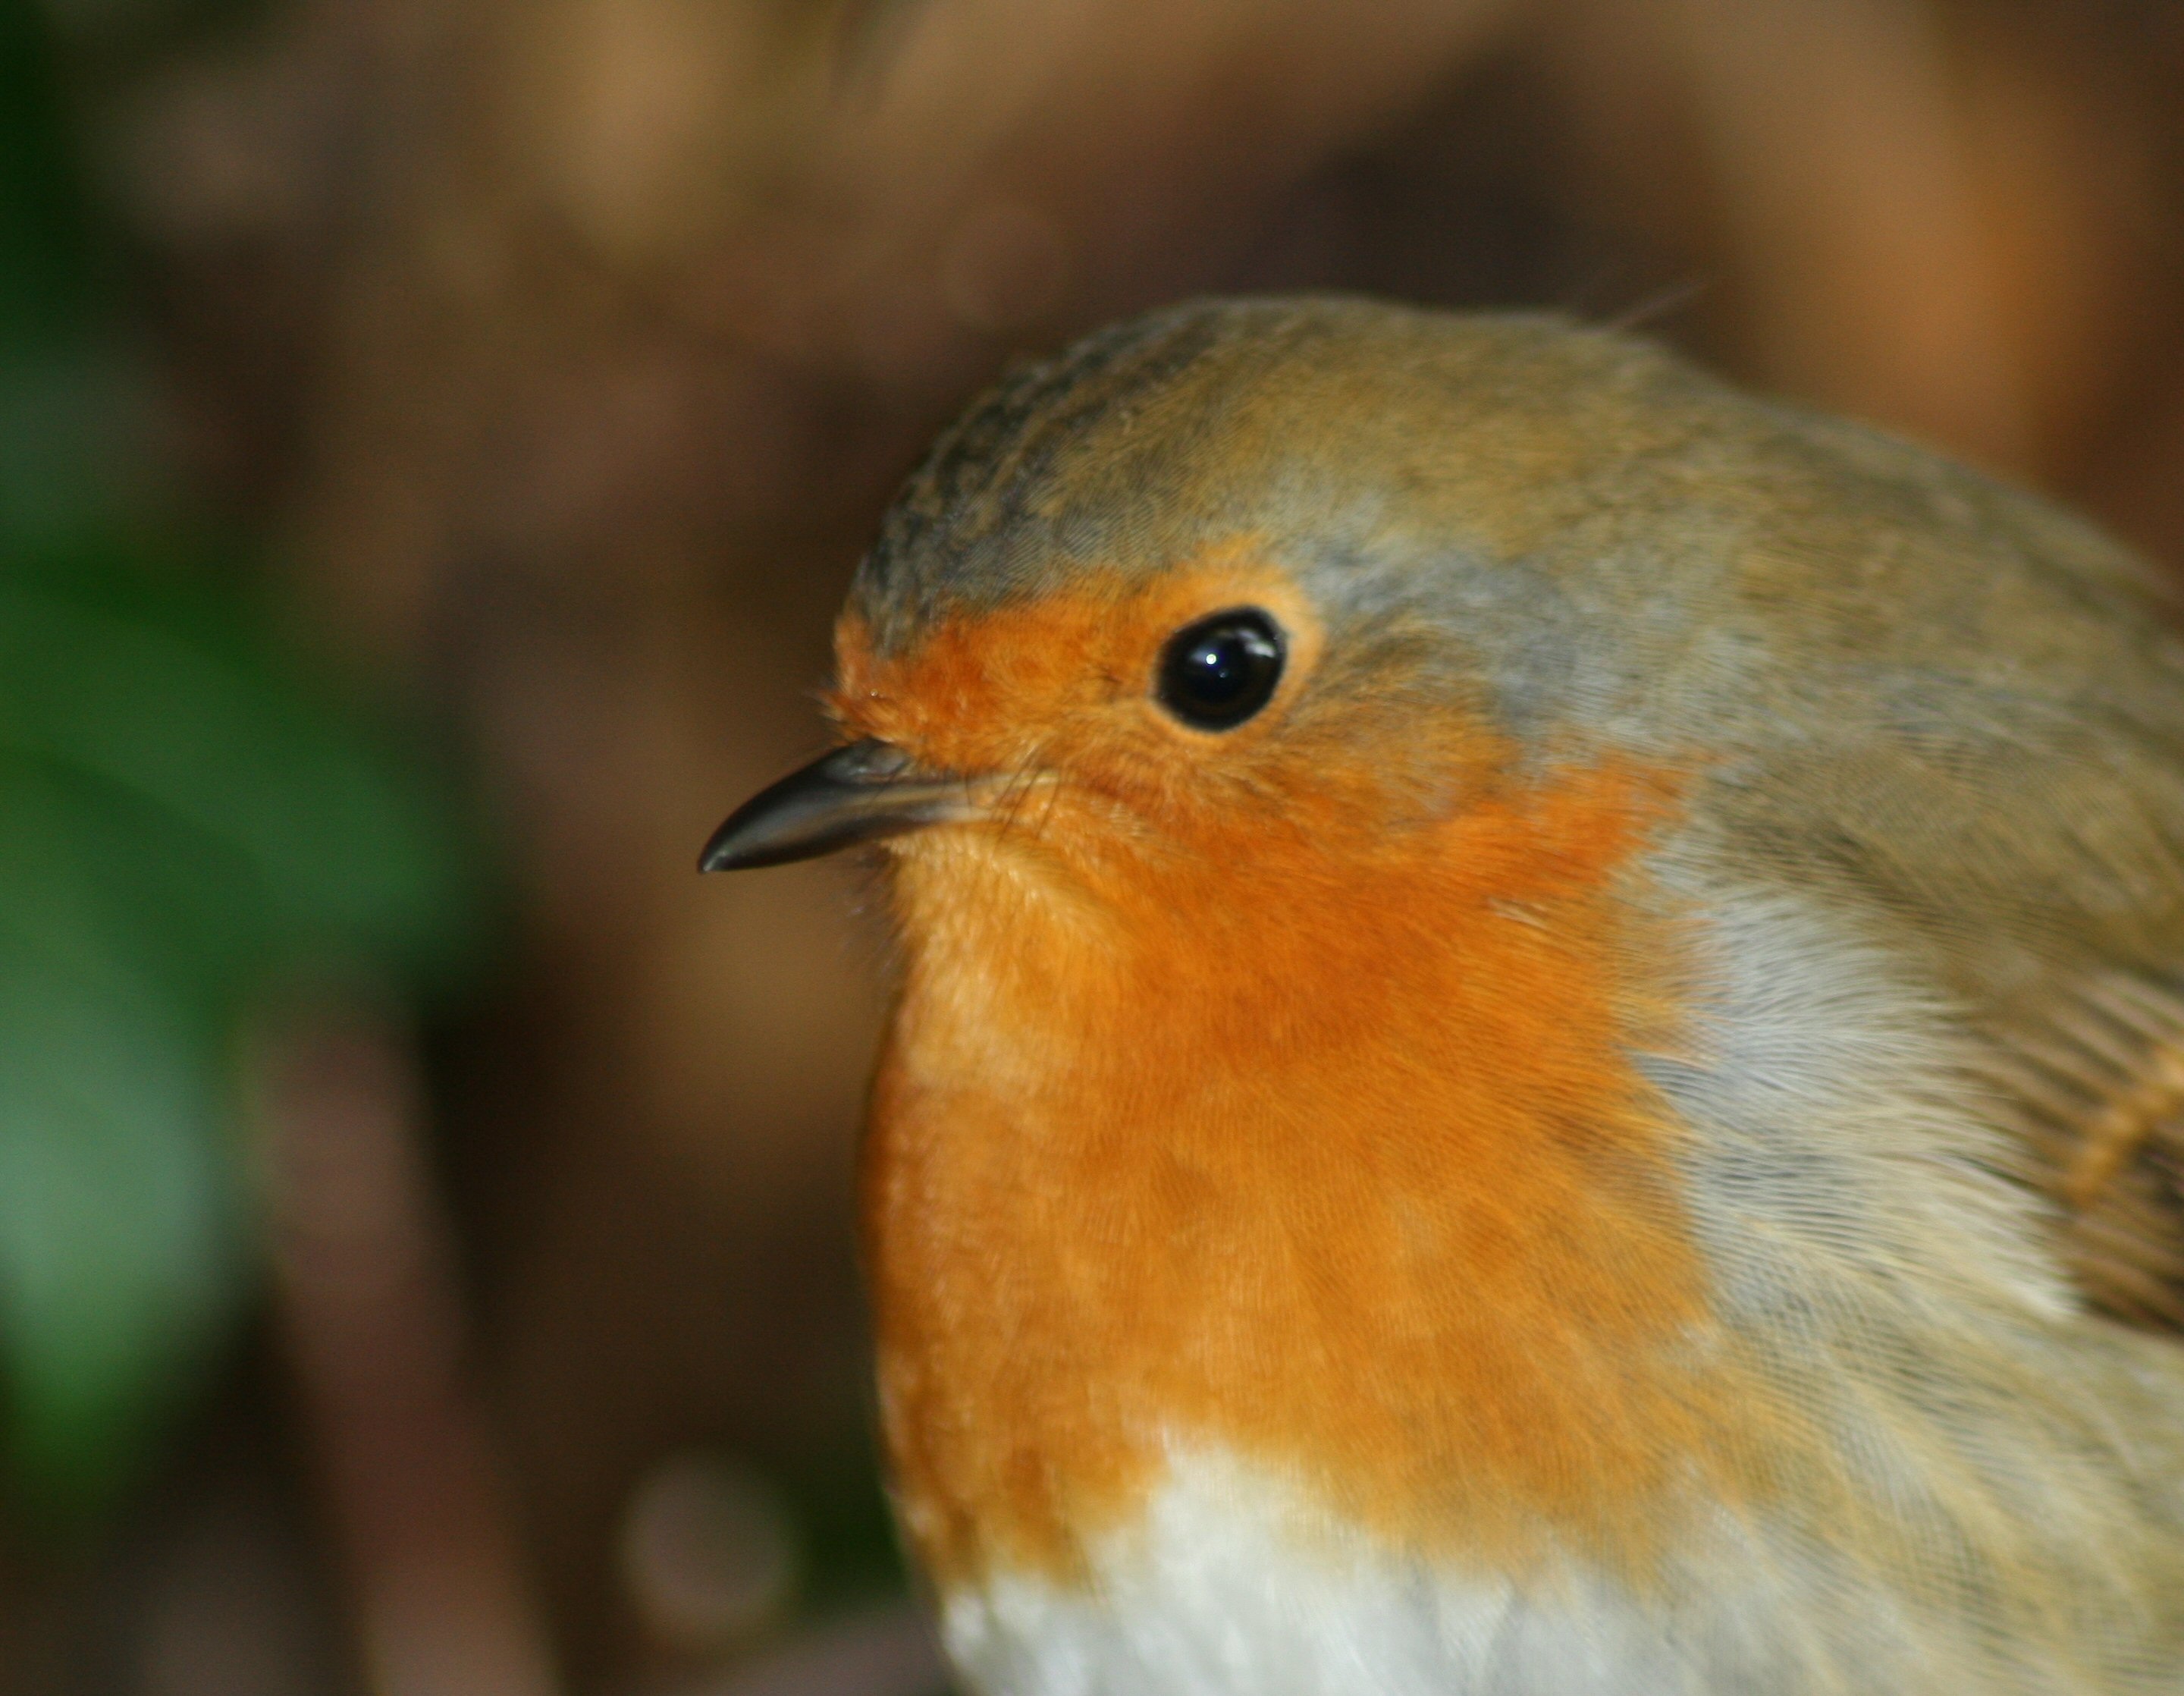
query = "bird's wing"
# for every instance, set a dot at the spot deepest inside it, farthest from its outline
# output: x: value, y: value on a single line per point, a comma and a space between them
x: 2101, y: 1090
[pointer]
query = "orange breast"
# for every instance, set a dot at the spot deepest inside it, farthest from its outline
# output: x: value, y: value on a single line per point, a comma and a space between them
x: 1221, y: 1108
x: 1347, y: 1175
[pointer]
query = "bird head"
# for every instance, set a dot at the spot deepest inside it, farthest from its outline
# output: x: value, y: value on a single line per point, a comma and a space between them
x: 1245, y: 583
x: 1293, y: 583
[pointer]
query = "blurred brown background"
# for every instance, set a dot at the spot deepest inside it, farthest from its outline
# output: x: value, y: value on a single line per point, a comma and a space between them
x: 568, y: 350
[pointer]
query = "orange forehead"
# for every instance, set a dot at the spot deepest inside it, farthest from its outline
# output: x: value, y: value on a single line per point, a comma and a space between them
x: 995, y: 690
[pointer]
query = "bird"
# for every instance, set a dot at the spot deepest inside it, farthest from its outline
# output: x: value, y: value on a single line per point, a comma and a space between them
x: 1537, y: 1037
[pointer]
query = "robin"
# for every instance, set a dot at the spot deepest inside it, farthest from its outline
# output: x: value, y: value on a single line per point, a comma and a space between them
x: 1541, y: 1037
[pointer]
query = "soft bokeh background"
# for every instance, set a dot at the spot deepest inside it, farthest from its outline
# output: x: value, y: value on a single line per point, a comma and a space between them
x: 434, y: 435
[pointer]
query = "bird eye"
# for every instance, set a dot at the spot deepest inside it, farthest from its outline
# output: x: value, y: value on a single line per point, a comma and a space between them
x: 1218, y: 672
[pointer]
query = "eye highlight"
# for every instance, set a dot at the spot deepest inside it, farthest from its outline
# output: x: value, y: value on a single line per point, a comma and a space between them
x: 1218, y: 672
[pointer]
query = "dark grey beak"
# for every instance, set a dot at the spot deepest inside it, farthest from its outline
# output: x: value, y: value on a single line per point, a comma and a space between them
x: 858, y: 793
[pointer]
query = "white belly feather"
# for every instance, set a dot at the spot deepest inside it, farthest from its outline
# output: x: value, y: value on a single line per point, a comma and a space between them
x: 1230, y: 1586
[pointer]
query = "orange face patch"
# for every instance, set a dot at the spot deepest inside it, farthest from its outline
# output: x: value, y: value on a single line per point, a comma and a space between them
x: 1066, y: 680
x: 1266, y: 1090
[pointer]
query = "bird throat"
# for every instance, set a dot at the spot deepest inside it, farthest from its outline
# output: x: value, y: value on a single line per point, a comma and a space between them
x: 1342, y: 1169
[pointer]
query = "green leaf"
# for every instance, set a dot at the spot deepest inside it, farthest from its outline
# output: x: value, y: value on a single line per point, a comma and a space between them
x: 178, y: 827
x: 119, y: 1234
x: 345, y: 853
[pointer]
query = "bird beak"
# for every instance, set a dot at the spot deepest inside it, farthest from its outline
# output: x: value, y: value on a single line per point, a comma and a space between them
x: 861, y: 792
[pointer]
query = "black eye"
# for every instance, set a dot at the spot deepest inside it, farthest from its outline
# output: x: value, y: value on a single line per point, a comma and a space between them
x: 1218, y: 672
